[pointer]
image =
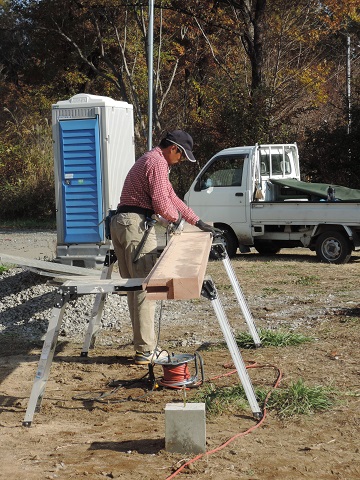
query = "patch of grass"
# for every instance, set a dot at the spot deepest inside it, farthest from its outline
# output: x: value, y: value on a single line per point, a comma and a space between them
x: 296, y: 399
x: 271, y: 338
x: 355, y: 393
x: 222, y: 400
x: 224, y: 286
x: 307, y: 280
x: 4, y: 268
x: 300, y: 399
x: 304, y: 301
x: 350, y: 319
x: 271, y: 291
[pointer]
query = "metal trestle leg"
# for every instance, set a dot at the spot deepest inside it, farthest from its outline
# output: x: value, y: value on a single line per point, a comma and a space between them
x: 209, y: 291
x: 47, y: 355
x: 219, y: 252
x: 96, y: 313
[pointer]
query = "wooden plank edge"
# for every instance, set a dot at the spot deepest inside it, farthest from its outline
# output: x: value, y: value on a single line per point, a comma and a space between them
x: 159, y: 291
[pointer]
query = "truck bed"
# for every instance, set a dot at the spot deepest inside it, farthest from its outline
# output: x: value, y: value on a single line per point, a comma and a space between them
x: 294, y: 212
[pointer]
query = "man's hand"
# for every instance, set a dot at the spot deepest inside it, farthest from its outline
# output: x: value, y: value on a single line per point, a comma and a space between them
x: 178, y: 226
x: 207, y: 228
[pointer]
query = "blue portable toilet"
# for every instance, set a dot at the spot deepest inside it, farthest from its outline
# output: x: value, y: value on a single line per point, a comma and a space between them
x: 93, y: 141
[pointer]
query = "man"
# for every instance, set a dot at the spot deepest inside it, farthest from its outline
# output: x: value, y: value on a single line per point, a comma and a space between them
x: 147, y: 191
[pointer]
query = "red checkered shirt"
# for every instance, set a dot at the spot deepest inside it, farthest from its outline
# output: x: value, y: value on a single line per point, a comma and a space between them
x: 147, y: 185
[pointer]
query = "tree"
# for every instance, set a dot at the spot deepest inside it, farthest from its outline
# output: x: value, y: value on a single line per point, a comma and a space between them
x: 235, y: 72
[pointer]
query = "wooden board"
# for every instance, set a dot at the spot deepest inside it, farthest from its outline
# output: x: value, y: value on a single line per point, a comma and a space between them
x: 180, y: 270
x: 46, y: 266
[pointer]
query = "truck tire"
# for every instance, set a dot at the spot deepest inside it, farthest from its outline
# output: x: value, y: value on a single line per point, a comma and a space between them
x: 333, y: 247
x: 266, y: 248
x: 229, y: 239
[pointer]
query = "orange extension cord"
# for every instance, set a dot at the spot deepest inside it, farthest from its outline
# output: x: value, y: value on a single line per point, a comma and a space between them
x: 175, y: 375
x: 240, y: 434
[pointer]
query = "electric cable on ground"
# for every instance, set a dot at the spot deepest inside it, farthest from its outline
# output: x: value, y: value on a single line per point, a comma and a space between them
x: 103, y: 397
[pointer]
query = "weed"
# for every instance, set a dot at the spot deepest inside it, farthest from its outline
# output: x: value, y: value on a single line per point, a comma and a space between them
x: 271, y: 338
x: 350, y: 319
x: 224, y: 286
x: 271, y: 291
x: 296, y: 399
x: 222, y: 400
x: 3, y: 269
x: 307, y: 280
x: 355, y: 393
x: 299, y: 399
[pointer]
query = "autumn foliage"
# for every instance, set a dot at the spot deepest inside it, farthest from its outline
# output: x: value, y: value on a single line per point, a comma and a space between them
x: 231, y: 72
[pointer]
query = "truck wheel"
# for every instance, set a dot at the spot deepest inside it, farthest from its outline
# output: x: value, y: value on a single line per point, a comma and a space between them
x: 333, y: 247
x: 229, y: 239
x: 266, y: 248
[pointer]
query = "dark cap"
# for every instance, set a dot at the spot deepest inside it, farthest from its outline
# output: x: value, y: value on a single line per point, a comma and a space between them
x: 184, y: 141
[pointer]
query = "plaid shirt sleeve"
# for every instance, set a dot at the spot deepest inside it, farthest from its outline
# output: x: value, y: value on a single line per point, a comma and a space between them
x: 165, y: 202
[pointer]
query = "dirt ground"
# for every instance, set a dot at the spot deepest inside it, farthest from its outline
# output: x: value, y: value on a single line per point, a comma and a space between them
x: 123, y: 436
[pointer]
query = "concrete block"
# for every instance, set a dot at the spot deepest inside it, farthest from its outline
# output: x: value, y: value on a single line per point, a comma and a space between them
x: 185, y: 428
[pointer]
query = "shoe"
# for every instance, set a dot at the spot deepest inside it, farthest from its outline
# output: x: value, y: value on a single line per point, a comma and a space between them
x: 144, y: 358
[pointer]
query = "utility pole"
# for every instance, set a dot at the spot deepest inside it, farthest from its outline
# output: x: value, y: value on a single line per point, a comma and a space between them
x: 348, y: 80
x: 150, y: 71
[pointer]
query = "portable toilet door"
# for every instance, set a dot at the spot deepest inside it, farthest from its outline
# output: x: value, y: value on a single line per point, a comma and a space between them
x: 81, y: 181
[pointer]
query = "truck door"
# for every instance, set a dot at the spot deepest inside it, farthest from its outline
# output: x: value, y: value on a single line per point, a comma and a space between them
x: 219, y: 193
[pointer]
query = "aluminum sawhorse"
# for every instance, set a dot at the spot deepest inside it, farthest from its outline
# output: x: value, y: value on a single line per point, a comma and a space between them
x: 79, y: 286
x: 92, y: 285
x: 209, y: 291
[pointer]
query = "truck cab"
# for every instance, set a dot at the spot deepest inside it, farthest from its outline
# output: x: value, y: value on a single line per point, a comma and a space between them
x: 234, y: 178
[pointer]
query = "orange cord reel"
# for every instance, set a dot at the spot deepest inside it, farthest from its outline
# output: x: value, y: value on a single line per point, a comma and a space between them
x: 176, y: 371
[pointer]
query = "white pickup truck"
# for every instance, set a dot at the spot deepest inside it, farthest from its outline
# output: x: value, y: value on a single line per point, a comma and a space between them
x: 254, y: 194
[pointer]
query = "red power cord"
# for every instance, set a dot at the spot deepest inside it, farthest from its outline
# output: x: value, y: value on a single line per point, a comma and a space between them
x: 240, y: 434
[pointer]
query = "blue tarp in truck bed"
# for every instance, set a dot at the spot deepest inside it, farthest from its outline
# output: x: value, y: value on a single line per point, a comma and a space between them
x: 320, y: 189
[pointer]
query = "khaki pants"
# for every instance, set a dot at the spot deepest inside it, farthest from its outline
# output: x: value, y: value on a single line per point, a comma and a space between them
x: 127, y: 230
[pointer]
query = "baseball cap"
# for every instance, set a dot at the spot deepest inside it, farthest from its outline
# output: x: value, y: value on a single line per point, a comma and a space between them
x: 184, y: 141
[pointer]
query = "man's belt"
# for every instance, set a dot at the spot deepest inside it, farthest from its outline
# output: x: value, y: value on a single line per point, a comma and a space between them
x: 133, y: 209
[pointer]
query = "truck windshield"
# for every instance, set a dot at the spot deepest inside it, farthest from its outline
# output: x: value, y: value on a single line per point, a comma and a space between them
x: 224, y: 171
